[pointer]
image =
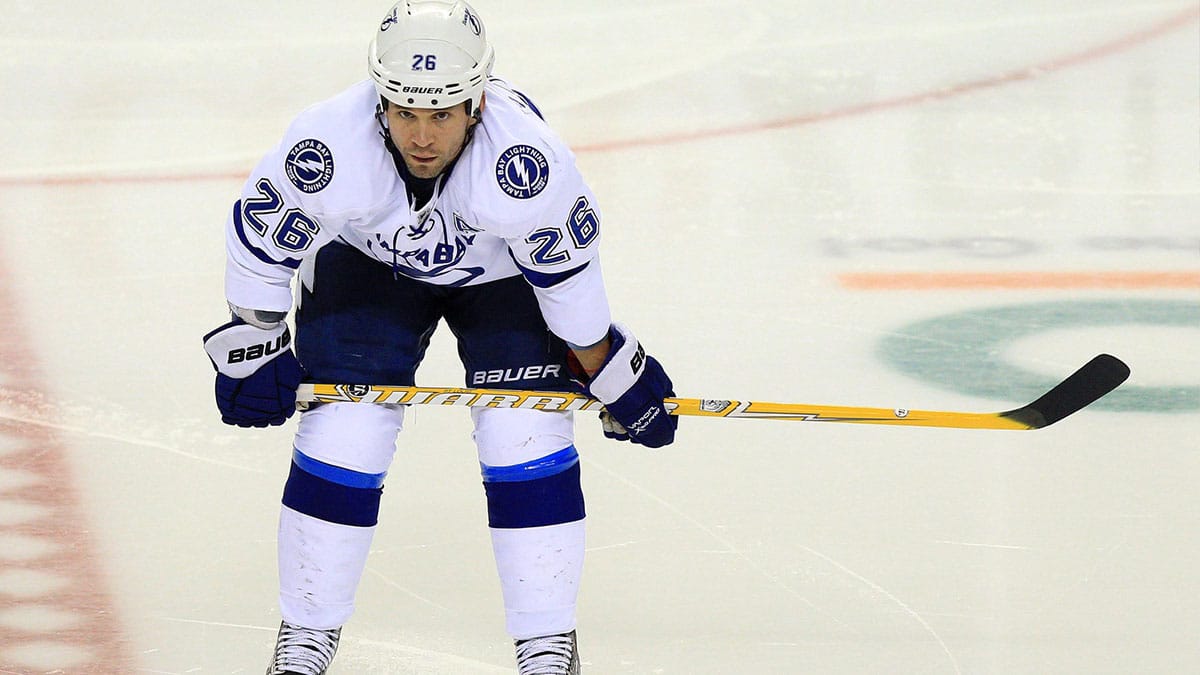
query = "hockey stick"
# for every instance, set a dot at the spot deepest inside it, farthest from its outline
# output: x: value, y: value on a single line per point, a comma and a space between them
x: 1095, y: 379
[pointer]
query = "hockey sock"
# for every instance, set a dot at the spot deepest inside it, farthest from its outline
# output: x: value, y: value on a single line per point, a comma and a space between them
x: 325, y: 530
x: 536, y: 515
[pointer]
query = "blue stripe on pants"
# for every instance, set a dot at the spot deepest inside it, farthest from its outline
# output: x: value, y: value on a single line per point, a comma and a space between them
x: 543, y: 492
x: 332, y: 493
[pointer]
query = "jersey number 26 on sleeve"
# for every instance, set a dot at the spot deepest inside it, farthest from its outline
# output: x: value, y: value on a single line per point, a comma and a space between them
x: 583, y: 226
x: 295, y: 231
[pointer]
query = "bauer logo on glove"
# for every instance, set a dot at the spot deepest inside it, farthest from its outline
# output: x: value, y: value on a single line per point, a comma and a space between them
x: 257, y: 351
x: 237, y: 349
x: 638, y: 360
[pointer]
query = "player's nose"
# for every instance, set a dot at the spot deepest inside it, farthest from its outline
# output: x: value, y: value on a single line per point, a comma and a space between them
x: 422, y: 134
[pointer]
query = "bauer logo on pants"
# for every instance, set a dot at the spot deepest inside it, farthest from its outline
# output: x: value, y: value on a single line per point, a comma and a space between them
x: 522, y: 171
x: 309, y: 165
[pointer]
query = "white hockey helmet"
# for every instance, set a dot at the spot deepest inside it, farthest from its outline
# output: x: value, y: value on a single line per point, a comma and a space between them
x: 431, y: 54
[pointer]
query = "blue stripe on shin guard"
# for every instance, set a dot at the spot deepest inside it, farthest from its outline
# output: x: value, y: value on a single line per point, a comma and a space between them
x: 542, y: 492
x: 333, y: 494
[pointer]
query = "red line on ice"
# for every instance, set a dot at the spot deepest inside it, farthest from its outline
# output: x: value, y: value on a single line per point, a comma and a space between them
x: 1119, y: 44
x: 60, y: 616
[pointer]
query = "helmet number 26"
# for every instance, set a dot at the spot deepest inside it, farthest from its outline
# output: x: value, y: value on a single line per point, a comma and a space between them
x: 424, y: 62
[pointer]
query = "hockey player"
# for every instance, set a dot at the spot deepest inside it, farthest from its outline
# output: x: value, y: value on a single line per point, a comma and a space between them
x: 430, y: 191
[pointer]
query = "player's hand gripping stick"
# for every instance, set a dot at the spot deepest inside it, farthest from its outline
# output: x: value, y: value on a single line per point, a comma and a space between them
x: 257, y: 373
x: 632, y: 386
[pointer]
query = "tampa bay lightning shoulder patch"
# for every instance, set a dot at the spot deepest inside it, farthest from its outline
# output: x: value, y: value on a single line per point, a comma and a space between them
x: 309, y: 165
x: 522, y: 171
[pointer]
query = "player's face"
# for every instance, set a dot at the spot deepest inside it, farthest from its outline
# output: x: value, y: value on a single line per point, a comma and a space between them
x: 428, y: 139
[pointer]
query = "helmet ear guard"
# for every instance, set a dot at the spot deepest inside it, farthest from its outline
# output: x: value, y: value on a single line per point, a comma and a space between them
x: 431, y: 54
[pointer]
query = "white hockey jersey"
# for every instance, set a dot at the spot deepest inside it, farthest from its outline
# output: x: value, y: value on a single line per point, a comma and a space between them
x: 514, y: 203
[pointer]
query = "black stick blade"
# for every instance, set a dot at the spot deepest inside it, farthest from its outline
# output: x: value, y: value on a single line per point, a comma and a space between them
x: 1095, y: 379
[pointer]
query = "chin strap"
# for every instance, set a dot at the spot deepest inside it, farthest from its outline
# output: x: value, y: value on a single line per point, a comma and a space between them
x: 385, y: 134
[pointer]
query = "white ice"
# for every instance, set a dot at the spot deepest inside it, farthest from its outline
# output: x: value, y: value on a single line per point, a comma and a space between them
x: 747, y: 157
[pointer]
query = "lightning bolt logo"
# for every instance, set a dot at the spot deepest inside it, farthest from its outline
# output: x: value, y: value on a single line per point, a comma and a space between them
x: 309, y: 165
x: 520, y: 168
x: 312, y: 166
x: 522, y: 171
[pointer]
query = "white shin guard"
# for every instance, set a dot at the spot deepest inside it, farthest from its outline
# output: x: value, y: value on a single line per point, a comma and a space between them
x: 322, y: 562
x: 320, y: 565
x: 539, y: 568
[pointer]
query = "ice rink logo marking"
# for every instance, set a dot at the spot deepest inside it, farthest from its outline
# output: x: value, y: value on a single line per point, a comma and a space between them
x: 309, y: 165
x: 522, y: 171
x: 984, y: 339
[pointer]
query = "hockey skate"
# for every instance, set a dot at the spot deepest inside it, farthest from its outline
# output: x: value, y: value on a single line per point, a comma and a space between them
x: 549, y: 655
x: 303, y: 651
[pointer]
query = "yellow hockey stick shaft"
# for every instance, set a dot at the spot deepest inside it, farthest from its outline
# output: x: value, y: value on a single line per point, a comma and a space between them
x: 1095, y: 379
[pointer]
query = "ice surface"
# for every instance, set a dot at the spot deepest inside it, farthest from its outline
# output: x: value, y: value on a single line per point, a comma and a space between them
x: 746, y: 160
